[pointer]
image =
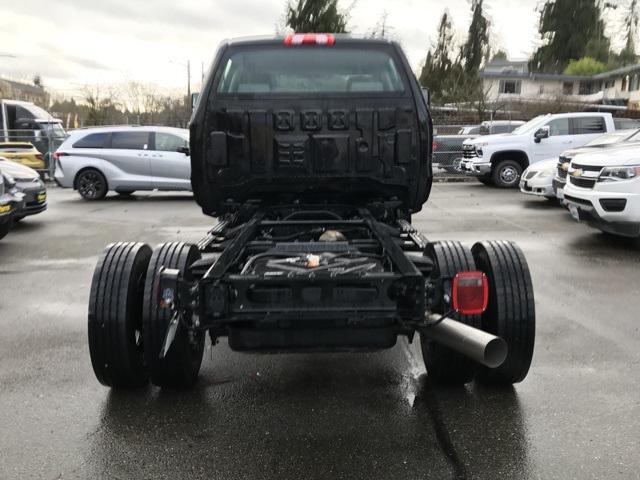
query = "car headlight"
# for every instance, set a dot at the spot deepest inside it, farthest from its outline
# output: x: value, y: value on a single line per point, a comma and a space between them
x: 546, y: 173
x: 9, y: 181
x: 618, y: 174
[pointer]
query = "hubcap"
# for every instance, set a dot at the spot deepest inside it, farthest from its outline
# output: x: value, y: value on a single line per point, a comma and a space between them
x: 90, y: 185
x: 508, y: 174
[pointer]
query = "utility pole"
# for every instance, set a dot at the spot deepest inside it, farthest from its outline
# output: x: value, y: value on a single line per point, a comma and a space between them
x: 189, y: 82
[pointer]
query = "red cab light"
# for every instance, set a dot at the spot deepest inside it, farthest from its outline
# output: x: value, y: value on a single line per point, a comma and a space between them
x: 470, y: 293
x: 310, y: 39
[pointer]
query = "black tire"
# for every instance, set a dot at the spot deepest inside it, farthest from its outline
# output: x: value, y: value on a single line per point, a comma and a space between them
x: 511, y: 311
x: 5, y: 228
x: 506, y: 174
x: 115, y: 315
x: 485, y: 180
x: 180, y: 367
x: 445, y: 366
x: 91, y: 184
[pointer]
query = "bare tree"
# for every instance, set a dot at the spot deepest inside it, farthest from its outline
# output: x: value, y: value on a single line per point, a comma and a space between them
x: 102, y: 104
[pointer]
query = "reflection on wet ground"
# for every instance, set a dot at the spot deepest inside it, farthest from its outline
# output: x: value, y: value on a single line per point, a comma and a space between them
x: 337, y: 416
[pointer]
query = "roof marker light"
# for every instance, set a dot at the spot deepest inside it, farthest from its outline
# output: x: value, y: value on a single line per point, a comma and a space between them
x: 310, y: 39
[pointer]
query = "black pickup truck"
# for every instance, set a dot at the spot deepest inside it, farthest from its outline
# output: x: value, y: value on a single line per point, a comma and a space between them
x: 313, y: 151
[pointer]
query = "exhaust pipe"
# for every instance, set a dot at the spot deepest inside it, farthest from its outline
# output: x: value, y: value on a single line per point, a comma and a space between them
x: 476, y: 344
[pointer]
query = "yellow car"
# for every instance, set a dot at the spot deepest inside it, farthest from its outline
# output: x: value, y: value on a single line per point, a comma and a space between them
x: 23, y: 153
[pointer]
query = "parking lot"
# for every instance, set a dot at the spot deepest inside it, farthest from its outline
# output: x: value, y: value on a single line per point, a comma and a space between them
x: 330, y: 415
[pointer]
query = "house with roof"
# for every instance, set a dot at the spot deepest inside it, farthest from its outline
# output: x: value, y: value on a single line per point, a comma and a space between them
x: 511, y: 81
x: 12, y: 90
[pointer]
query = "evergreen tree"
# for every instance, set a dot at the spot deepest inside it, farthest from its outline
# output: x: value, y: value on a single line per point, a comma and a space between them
x: 438, y: 63
x: 444, y: 77
x: 477, y: 45
x: 628, y: 53
x: 316, y: 16
x: 570, y: 29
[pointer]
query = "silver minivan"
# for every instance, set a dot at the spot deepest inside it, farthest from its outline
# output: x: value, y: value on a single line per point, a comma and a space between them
x: 124, y: 159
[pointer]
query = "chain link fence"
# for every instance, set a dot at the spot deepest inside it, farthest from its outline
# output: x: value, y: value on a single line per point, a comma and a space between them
x: 45, y: 142
x: 451, y: 127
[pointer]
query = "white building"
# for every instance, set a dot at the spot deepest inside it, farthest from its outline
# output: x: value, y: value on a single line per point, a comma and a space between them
x: 505, y: 80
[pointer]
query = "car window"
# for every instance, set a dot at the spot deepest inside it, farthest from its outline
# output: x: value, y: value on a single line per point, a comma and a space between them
x: 306, y: 71
x: 53, y: 129
x: 559, y: 126
x: 501, y: 128
x: 588, y: 125
x: 167, y: 142
x: 130, y: 140
x: 93, y: 140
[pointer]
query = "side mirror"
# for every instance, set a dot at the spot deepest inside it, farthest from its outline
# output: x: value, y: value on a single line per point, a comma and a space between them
x: 184, y: 150
x: 542, y: 132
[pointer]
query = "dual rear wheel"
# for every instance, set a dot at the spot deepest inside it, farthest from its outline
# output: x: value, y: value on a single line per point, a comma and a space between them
x: 127, y: 327
x: 510, y: 313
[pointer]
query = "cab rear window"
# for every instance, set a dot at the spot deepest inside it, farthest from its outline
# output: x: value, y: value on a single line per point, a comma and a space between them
x: 295, y: 70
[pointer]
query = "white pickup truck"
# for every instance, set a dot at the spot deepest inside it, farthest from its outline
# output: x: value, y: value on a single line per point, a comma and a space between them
x: 500, y: 159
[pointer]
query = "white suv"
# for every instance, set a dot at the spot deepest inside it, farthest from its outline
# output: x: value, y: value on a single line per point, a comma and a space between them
x: 501, y: 159
x: 604, y: 190
x: 95, y: 161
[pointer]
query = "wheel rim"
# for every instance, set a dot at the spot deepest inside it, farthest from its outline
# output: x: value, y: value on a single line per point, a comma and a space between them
x: 90, y: 185
x: 509, y: 175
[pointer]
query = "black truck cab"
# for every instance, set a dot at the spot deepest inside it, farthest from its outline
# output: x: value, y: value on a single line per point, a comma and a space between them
x: 339, y: 121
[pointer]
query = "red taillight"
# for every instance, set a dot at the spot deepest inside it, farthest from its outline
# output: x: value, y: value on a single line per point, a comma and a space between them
x: 434, y: 146
x: 57, y: 155
x: 310, y: 39
x: 470, y: 293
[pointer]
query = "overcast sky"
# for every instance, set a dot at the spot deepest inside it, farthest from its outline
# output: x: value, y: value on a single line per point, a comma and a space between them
x: 71, y: 43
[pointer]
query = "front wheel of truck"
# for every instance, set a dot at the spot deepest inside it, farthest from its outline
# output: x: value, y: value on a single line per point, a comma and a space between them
x: 181, y: 364
x: 506, y: 174
x: 511, y: 310
x: 445, y: 366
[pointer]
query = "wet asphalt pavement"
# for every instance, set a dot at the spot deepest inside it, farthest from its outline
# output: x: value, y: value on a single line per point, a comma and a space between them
x: 328, y: 416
